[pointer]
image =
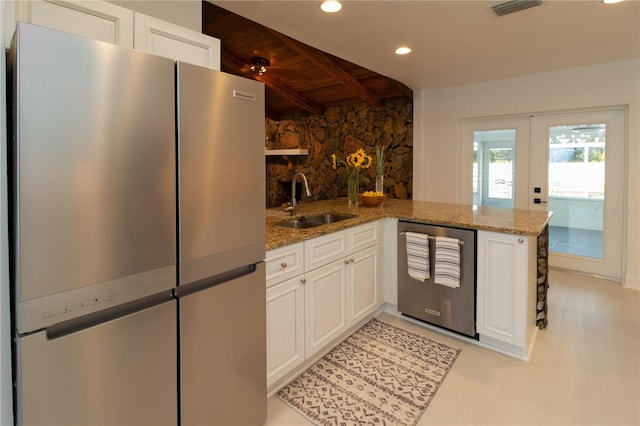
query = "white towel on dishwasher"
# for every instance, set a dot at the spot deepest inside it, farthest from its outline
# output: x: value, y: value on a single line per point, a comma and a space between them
x: 447, y: 262
x: 418, y: 255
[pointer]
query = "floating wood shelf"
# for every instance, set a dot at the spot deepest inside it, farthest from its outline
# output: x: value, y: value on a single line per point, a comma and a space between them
x: 299, y: 151
x: 288, y: 154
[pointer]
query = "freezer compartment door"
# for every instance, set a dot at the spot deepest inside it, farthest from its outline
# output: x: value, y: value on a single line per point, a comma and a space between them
x: 122, y: 372
x: 221, y: 172
x: 223, y: 353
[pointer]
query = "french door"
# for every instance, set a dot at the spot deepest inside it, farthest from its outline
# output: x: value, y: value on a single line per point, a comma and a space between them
x: 577, y: 172
x: 571, y: 164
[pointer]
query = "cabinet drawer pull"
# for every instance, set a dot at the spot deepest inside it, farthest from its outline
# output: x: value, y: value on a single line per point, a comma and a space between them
x: 346, y: 261
x: 521, y: 240
x: 303, y: 281
x: 283, y: 265
x: 351, y: 260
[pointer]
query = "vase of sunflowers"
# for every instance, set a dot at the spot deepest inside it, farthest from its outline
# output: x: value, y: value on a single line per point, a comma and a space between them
x: 353, y: 163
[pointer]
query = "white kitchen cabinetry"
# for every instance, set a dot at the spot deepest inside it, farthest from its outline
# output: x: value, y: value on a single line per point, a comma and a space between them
x: 284, y: 262
x: 344, y: 287
x: 311, y: 307
x: 506, y: 291
x: 363, y: 283
x: 285, y: 328
x: 285, y: 310
x: 325, y: 249
x: 92, y: 19
x: 175, y: 42
x: 325, y: 304
x: 363, y: 236
x: 113, y: 24
x: 364, y: 270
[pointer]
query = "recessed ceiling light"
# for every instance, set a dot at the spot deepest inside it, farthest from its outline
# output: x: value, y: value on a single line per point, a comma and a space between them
x: 403, y: 50
x: 612, y: 1
x: 331, y: 6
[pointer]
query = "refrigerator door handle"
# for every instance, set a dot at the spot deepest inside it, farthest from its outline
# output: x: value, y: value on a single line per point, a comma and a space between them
x: 75, y: 325
x: 205, y: 283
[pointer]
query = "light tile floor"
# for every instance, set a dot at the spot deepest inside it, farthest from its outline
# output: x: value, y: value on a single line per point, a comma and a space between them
x: 584, y: 369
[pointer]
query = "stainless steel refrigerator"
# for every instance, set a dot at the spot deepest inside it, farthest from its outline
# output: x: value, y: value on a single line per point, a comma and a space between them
x: 137, y: 283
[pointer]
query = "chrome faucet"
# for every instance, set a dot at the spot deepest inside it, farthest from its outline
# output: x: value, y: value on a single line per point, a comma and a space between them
x: 292, y: 205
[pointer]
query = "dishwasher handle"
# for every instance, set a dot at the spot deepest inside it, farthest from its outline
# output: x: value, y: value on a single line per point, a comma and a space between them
x: 433, y: 238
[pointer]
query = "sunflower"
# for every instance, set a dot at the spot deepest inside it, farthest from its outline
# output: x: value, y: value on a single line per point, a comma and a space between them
x: 353, y: 163
x: 359, y: 159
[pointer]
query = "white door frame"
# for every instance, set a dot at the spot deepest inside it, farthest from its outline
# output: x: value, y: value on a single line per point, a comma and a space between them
x: 531, y: 172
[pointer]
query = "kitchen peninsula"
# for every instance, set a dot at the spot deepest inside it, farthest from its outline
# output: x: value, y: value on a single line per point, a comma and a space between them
x: 510, y: 221
x: 512, y: 282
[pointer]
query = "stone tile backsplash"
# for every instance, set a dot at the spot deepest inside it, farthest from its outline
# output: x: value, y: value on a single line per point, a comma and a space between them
x: 341, y: 130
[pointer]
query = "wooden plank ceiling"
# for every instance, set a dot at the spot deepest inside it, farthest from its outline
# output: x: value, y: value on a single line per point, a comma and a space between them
x: 300, y: 78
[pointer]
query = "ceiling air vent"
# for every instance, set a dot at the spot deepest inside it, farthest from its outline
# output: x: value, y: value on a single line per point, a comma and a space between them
x: 514, y: 6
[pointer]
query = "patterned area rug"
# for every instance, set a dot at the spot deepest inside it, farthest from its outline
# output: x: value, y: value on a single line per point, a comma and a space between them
x: 380, y: 375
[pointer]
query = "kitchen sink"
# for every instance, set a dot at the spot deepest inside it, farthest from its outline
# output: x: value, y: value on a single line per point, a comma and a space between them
x: 315, y: 220
x: 329, y: 218
x: 298, y: 223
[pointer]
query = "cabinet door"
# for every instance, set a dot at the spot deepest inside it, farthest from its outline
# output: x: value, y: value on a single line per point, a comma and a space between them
x: 363, y: 283
x: 502, y: 287
x: 97, y: 20
x: 285, y: 328
x: 325, y: 305
x: 175, y: 42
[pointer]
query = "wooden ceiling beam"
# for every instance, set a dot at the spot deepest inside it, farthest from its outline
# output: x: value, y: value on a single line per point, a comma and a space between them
x: 239, y: 66
x: 405, y: 90
x: 325, y: 63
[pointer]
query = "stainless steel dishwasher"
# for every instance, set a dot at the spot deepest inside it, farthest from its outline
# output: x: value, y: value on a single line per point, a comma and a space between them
x: 451, y: 308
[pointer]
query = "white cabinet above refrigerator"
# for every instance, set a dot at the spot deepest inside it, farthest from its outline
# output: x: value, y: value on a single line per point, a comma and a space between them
x: 104, y: 21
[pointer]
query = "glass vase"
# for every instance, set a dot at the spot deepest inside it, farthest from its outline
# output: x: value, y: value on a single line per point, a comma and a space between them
x: 353, y: 189
x: 380, y: 183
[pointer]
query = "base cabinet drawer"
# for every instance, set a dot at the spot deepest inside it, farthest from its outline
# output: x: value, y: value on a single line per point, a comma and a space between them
x: 284, y: 263
x: 325, y: 249
x: 363, y: 236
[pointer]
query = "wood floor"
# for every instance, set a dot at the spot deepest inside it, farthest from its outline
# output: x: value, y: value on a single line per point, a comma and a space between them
x: 584, y: 369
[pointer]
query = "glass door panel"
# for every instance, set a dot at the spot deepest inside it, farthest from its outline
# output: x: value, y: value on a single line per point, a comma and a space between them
x: 576, y: 188
x: 494, y: 167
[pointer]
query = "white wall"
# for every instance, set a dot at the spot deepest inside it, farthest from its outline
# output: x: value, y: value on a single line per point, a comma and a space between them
x: 186, y: 13
x: 437, y: 130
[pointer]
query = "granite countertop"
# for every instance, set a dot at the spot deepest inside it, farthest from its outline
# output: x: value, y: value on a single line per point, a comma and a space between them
x: 511, y: 221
